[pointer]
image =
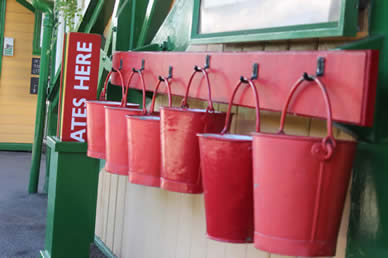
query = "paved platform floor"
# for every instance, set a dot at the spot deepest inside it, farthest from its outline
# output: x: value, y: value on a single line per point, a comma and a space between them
x: 22, y: 216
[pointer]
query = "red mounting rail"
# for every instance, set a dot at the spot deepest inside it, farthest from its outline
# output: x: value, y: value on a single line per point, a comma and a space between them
x: 350, y: 78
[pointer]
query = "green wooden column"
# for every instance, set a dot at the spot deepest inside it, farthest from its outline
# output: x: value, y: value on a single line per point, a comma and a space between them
x: 368, y: 226
x: 72, y: 198
x: 42, y: 93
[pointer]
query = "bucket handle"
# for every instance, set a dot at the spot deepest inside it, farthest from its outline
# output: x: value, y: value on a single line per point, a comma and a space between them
x: 103, y: 92
x: 140, y: 73
x: 256, y: 95
x: 160, y: 80
x: 205, y: 74
x: 326, y: 147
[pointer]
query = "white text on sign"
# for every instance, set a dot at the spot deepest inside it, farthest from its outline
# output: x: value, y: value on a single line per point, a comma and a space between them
x: 82, y: 78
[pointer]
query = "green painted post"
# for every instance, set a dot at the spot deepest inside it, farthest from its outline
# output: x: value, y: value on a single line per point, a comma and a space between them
x: 41, y: 104
x: 156, y: 13
x: 72, y: 199
x: 379, y: 27
x: 52, y: 115
x: 132, y: 25
x: 52, y: 118
x: 130, y: 16
x: 368, y: 225
x: 93, y: 16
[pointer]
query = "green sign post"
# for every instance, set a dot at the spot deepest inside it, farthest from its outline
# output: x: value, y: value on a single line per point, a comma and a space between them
x: 72, y: 199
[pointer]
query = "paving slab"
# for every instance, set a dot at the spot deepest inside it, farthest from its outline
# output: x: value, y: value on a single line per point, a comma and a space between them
x: 22, y: 215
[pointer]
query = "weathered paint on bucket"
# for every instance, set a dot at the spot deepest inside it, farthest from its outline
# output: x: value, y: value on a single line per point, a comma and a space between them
x: 300, y: 185
x: 116, y: 131
x: 226, y: 165
x: 144, y: 155
x: 179, y: 142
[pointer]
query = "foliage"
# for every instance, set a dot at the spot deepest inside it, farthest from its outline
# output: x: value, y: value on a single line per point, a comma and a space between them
x: 68, y: 10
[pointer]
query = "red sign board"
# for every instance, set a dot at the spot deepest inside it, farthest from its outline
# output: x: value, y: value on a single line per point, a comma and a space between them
x: 79, y: 82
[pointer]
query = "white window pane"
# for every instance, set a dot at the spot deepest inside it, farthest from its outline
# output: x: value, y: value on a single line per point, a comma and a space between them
x: 235, y: 15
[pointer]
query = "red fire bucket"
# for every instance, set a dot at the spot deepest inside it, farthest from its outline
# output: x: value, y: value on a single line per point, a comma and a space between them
x: 300, y: 185
x: 116, y: 132
x: 179, y: 142
x: 95, y: 116
x: 144, y: 144
x: 226, y: 165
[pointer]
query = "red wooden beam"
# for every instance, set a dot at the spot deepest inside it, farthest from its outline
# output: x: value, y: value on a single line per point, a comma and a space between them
x: 350, y: 78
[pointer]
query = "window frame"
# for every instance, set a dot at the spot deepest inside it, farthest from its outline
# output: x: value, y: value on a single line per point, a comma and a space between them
x: 36, y: 48
x: 346, y: 26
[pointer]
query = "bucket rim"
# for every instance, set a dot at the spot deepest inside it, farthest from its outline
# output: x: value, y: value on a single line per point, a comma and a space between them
x: 298, y: 137
x: 191, y: 110
x: 227, y: 137
x: 148, y: 118
x: 109, y: 102
x: 123, y: 108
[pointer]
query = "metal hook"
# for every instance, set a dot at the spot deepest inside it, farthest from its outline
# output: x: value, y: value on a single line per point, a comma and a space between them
x: 320, y: 66
x: 308, y: 77
x: 207, y: 63
x: 121, y: 66
x: 169, y: 74
x: 255, y: 73
x: 319, y: 72
x: 141, y: 68
x: 206, y: 66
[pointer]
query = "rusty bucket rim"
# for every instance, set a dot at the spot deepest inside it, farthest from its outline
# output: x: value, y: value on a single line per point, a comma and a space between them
x: 298, y: 137
x: 227, y: 137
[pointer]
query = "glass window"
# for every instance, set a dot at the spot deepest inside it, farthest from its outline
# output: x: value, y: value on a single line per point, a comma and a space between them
x: 214, y: 18
x: 232, y: 15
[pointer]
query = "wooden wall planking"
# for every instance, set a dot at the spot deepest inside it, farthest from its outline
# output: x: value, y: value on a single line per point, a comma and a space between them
x: 17, y: 105
x: 112, y: 210
x: 105, y: 206
x: 164, y: 224
x: 99, y: 219
x: 154, y: 231
x: 119, y: 217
